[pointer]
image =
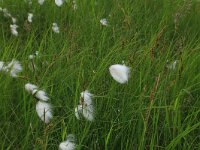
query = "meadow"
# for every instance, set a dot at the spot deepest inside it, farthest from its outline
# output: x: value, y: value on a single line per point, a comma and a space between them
x: 157, y: 108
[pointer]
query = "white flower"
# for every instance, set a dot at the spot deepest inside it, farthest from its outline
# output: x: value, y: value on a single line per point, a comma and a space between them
x: 30, y: 88
x: 104, y: 22
x: 120, y: 73
x: 41, y: 2
x: 69, y: 144
x: 14, y: 67
x: 172, y: 65
x: 41, y: 95
x: 44, y: 111
x: 1, y: 65
x: 13, y: 28
x: 59, y: 2
x: 30, y: 16
x: 85, y: 108
x: 55, y: 28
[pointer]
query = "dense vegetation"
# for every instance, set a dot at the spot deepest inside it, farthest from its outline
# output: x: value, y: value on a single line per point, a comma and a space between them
x: 159, y: 107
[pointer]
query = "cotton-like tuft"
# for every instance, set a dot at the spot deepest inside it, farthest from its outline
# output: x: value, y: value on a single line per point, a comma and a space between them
x: 31, y: 56
x: 120, y: 73
x: 172, y: 66
x: 30, y: 88
x: 41, y: 95
x: 88, y: 112
x: 30, y: 17
x: 69, y: 144
x: 13, y: 28
x: 87, y: 97
x: 78, y: 111
x: 44, y: 111
x: 86, y: 108
x: 41, y: 2
x: 104, y: 22
x: 55, y: 28
x: 59, y: 2
x: 14, y: 20
x: 74, y: 5
x: 1, y: 65
x: 14, y: 67
x: 6, y: 12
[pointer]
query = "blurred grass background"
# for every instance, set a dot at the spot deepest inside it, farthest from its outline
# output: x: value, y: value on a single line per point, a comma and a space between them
x: 159, y: 108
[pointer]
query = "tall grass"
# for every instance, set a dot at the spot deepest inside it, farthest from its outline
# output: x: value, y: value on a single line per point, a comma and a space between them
x: 159, y: 108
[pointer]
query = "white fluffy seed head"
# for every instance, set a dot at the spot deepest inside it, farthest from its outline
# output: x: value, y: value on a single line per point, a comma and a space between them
x: 44, y: 111
x: 74, y: 5
x: 31, y: 57
x: 120, y: 73
x: 41, y: 95
x: 30, y: 17
x: 59, y: 2
x: 1, y: 66
x: 78, y: 111
x: 88, y: 112
x: 41, y: 2
x: 172, y: 66
x: 14, y: 67
x: 85, y: 108
x: 55, y: 28
x: 87, y: 97
x: 30, y: 88
x: 104, y: 22
x: 13, y: 28
x: 6, y: 13
x: 14, y: 20
x: 69, y: 144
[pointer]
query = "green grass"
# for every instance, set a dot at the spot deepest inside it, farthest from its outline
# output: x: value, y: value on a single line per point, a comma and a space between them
x: 158, y: 108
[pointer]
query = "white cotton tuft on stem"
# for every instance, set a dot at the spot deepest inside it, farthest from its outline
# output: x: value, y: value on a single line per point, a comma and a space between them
x: 41, y: 95
x: 87, y: 96
x: 69, y: 144
x: 14, y: 20
x: 104, y: 22
x: 30, y: 88
x: 14, y: 67
x: 172, y: 65
x: 30, y: 17
x: 88, y: 112
x: 59, y: 2
x: 78, y: 111
x: 120, y: 73
x: 44, y: 111
x: 13, y: 28
x: 41, y: 2
x: 1, y: 65
x: 55, y: 28
x: 86, y: 108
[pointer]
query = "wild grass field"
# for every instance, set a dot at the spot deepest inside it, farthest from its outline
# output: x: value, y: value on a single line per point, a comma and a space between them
x: 158, y: 108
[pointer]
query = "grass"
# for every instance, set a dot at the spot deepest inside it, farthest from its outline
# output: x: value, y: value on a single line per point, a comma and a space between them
x: 159, y: 108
